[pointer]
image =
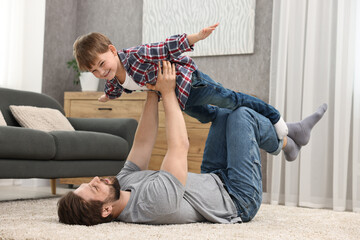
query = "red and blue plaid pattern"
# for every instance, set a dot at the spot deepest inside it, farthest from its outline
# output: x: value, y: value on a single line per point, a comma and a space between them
x: 141, y: 63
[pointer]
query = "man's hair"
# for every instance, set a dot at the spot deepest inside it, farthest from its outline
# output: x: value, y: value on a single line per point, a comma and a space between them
x: 87, y: 48
x: 72, y: 209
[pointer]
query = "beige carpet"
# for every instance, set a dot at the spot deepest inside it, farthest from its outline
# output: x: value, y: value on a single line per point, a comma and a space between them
x: 37, y: 219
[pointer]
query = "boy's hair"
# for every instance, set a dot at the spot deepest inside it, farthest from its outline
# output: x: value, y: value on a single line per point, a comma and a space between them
x: 72, y: 209
x: 87, y: 48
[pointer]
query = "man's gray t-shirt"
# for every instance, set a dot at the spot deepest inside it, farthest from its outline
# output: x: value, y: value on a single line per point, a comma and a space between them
x: 157, y: 197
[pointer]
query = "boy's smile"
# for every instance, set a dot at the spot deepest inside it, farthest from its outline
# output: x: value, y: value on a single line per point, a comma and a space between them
x: 106, y: 65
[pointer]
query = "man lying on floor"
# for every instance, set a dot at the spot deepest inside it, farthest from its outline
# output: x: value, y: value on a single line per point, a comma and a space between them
x: 228, y: 190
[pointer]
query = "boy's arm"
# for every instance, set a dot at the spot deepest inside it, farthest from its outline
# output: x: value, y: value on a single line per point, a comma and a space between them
x: 173, y: 46
x: 112, y: 91
x: 204, y: 33
x: 168, y: 50
x: 146, y: 132
x: 175, y: 160
x: 103, y: 98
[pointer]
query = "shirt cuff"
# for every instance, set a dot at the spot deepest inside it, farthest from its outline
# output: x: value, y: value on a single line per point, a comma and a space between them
x: 186, y: 45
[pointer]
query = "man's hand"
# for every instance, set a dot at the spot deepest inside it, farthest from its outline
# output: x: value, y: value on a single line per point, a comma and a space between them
x: 103, y: 98
x: 204, y: 33
x: 165, y: 80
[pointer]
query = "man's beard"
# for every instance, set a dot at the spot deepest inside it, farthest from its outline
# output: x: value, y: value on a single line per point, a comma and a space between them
x: 114, y: 186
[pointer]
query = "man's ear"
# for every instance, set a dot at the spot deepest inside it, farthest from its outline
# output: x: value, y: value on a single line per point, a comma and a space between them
x: 112, y: 48
x: 106, y: 210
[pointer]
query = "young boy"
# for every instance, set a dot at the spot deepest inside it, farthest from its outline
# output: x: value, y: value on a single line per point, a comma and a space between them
x: 136, y: 68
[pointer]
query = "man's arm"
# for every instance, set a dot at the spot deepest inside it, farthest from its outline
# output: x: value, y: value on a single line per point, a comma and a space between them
x: 146, y: 132
x: 204, y: 33
x: 175, y: 160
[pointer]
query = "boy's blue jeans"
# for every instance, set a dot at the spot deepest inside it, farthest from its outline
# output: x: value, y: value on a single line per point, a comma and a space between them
x: 205, y: 91
x: 232, y: 151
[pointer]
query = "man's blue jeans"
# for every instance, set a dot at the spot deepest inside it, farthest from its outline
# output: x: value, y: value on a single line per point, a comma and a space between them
x: 205, y: 91
x: 232, y: 151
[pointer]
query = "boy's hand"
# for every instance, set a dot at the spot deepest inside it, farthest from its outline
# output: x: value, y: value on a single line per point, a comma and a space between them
x: 103, y: 98
x: 205, y: 32
x: 165, y: 80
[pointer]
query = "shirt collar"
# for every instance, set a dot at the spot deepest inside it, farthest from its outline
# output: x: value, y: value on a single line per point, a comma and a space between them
x: 124, y: 60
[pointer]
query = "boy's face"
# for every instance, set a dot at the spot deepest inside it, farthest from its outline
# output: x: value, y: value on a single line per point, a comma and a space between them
x: 106, y: 64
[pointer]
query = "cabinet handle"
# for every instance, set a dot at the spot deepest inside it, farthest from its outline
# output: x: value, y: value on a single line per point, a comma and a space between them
x: 105, y: 109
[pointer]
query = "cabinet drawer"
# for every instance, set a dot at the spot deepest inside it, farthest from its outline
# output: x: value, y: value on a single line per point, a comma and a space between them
x: 111, y: 109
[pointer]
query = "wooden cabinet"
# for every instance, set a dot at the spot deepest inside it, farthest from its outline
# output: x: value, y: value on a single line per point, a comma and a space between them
x: 86, y: 105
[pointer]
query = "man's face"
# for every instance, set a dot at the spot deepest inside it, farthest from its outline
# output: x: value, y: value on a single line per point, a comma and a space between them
x: 105, y: 65
x: 104, y: 190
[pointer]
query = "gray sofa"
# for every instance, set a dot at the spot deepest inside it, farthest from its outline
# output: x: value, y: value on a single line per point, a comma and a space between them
x: 98, y: 147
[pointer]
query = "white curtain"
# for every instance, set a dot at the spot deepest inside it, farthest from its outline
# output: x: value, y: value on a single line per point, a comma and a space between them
x: 11, y: 42
x: 22, y: 25
x: 315, y: 48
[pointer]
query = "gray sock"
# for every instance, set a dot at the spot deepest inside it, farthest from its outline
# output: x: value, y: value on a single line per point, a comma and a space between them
x: 300, y: 131
x: 291, y: 150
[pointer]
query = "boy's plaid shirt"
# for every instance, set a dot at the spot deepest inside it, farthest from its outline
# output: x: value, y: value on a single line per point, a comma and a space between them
x: 141, y: 63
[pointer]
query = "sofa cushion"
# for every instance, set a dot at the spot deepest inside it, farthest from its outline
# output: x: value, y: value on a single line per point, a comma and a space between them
x: 44, y: 119
x: 89, y: 146
x: 2, y: 120
x: 22, y: 143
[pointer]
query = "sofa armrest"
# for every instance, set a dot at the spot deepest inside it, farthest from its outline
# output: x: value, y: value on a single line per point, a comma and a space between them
x: 122, y: 127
